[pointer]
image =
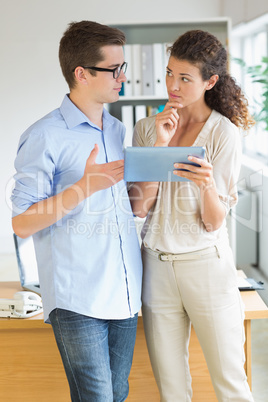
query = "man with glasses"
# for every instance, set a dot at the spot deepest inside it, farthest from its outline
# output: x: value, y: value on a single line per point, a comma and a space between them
x: 70, y: 196
x: 116, y: 71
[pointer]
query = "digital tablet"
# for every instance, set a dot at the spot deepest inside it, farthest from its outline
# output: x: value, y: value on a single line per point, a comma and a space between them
x: 157, y: 163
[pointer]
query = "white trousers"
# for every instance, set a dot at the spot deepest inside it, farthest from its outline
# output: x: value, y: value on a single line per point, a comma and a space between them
x: 201, y: 290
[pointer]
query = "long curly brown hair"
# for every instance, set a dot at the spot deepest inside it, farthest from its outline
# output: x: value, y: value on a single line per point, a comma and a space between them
x: 205, y: 51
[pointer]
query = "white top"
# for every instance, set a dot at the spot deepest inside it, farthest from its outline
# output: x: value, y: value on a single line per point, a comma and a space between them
x: 174, y: 223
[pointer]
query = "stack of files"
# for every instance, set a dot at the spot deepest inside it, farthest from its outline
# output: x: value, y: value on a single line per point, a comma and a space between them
x: 136, y: 70
x: 130, y: 115
x: 146, y: 69
x: 128, y: 85
x: 140, y: 112
x: 159, y: 67
x: 128, y: 121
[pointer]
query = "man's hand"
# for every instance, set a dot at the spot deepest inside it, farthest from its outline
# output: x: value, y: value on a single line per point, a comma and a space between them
x: 100, y: 176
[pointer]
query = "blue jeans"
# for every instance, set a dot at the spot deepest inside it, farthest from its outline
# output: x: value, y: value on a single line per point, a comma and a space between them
x: 96, y: 354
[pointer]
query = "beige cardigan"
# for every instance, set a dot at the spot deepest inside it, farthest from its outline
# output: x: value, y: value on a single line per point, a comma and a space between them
x: 174, y: 224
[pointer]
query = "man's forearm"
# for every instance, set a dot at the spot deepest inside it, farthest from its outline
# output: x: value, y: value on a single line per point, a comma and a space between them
x: 49, y: 211
x: 142, y: 197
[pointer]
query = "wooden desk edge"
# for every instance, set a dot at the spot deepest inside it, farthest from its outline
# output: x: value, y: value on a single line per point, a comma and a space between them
x: 255, y: 308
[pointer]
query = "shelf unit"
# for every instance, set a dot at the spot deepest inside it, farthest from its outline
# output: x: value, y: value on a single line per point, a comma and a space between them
x: 165, y: 32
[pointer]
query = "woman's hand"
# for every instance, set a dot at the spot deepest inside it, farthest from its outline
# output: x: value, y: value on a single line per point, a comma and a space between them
x: 201, y: 175
x: 166, y: 123
x: 212, y: 210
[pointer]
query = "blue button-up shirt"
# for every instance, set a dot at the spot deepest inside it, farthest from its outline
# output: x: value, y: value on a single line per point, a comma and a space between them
x: 89, y: 261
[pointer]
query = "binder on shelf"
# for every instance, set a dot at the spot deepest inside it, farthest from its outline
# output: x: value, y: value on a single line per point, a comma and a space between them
x: 128, y: 85
x: 147, y: 70
x: 128, y: 120
x: 136, y: 70
x: 140, y: 112
x: 159, y: 69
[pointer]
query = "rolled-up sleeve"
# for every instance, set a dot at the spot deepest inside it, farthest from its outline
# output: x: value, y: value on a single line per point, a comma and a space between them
x: 226, y: 161
x: 35, y: 169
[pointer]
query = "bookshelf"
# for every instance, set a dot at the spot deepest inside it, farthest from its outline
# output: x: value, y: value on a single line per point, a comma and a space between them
x: 162, y: 32
x: 150, y: 32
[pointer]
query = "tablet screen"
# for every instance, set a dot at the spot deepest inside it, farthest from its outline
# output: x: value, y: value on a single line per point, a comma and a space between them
x: 157, y: 163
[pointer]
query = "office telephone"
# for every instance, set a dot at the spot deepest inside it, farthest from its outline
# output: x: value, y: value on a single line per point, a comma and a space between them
x: 23, y: 305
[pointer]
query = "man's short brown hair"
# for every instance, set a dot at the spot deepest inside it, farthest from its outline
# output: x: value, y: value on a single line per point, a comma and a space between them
x: 81, y: 46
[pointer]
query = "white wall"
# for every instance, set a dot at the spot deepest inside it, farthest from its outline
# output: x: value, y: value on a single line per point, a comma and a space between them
x: 31, y: 80
x: 243, y: 10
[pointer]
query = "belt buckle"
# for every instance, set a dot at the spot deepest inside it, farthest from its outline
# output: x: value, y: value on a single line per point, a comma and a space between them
x: 160, y: 255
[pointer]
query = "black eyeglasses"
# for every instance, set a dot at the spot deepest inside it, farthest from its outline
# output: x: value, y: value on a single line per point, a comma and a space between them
x: 116, y: 71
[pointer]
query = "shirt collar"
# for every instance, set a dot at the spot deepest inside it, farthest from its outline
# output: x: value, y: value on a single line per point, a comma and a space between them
x: 74, y: 117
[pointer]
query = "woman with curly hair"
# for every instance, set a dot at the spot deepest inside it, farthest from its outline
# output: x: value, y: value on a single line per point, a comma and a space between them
x: 189, y: 272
